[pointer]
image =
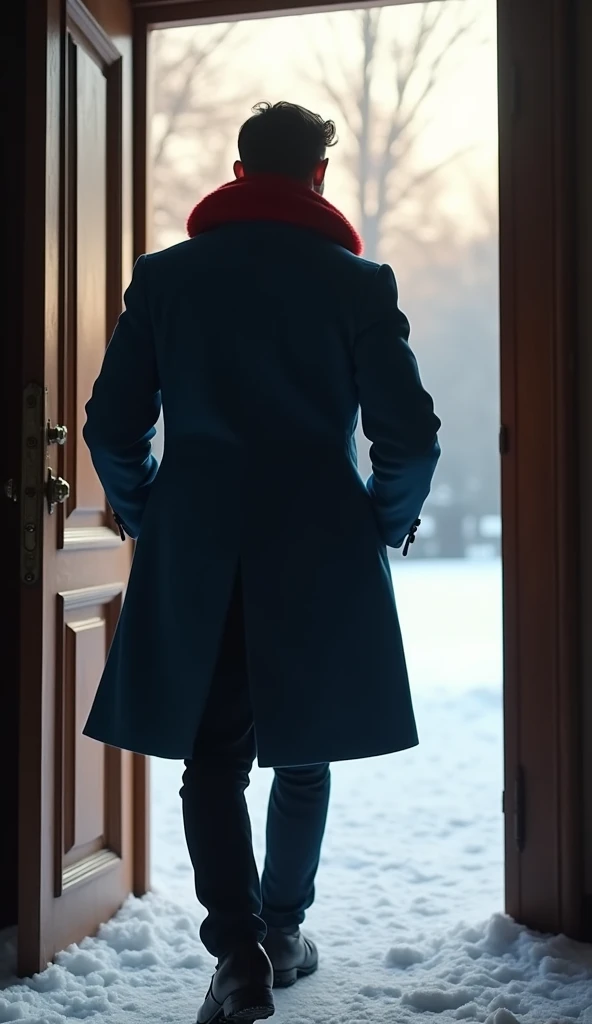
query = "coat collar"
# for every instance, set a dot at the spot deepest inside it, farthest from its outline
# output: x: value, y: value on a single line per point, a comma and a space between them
x: 270, y: 197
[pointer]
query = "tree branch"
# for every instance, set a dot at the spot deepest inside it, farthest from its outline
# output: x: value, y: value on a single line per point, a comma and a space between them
x: 426, y: 29
x: 195, y: 57
x: 335, y: 97
x: 422, y: 176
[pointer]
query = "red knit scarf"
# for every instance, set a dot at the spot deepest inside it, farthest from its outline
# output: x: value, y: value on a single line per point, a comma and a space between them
x: 267, y: 197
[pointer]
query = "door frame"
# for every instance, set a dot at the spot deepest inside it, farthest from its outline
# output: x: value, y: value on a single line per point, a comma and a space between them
x: 539, y: 385
x: 583, y: 114
x: 542, y: 798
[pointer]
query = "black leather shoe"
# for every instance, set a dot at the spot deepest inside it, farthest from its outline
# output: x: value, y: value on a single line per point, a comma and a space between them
x: 240, y: 990
x: 293, y: 955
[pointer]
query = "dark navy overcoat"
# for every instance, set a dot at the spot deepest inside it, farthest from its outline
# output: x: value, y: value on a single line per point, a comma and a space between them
x: 261, y: 341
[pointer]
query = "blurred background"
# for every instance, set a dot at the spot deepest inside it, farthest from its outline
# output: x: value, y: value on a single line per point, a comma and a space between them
x: 413, y: 92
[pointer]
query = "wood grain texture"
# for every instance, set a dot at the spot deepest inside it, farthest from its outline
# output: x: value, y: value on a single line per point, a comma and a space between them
x: 88, y: 800
x: 77, y: 854
x: 172, y: 13
x: 12, y: 174
x: 583, y: 198
x: 539, y: 475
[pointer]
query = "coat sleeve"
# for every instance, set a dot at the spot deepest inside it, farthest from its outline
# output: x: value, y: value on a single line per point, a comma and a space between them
x: 397, y: 414
x: 123, y: 409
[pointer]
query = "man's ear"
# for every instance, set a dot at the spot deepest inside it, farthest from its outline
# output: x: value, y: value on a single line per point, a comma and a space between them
x: 239, y: 171
x: 320, y: 171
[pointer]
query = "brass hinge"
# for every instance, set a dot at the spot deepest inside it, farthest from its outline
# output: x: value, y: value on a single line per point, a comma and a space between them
x: 32, y: 490
x: 38, y: 483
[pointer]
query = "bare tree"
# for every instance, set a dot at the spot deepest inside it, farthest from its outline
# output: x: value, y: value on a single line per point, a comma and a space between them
x: 191, y: 128
x: 384, y: 123
x: 382, y: 97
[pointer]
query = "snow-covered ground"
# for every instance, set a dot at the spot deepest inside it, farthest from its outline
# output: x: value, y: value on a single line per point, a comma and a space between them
x: 413, y: 837
x: 410, y: 890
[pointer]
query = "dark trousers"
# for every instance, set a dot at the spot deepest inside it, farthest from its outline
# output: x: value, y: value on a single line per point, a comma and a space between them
x: 217, y: 824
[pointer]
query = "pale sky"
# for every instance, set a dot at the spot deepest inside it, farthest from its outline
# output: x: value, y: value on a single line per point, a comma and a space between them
x: 275, y: 59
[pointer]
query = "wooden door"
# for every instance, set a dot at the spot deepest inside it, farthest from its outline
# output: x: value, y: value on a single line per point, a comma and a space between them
x: 82, y: 831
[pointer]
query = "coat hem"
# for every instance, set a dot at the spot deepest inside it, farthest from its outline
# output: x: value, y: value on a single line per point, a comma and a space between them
x: 395, y: 747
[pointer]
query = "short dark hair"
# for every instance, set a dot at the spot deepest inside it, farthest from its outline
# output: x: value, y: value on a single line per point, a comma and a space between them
x: 283, y: 138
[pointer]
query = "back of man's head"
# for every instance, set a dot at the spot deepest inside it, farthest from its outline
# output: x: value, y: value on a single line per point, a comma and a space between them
x: 284, y: 139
